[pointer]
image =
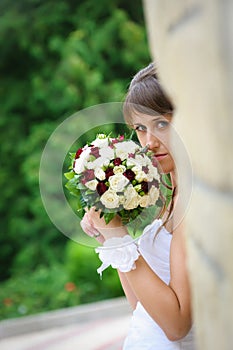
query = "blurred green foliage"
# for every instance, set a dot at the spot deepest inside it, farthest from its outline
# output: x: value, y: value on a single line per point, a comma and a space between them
x: 82, y: 262
x: 62, y: 285
x: 57, y: 57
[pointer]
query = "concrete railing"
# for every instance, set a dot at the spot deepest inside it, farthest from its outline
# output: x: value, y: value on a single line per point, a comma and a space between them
x: 63, y: 317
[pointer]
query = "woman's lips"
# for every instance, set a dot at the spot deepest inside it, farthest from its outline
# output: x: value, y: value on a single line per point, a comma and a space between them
x: 160, y: 156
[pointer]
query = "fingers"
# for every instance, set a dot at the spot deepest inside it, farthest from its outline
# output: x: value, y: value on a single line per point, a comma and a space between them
x: 88, y: 228
x: 91, y: 231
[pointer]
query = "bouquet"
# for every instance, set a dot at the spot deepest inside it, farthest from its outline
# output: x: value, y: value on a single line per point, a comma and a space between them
x: 116, y: 176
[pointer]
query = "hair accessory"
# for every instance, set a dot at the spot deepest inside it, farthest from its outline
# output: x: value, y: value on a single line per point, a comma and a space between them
x: 119, y: 252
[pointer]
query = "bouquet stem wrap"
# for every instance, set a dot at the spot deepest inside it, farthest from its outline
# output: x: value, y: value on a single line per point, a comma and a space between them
x: 118, y: 252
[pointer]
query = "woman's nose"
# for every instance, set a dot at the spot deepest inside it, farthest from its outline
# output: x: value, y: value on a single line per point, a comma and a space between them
x: 152, y: 141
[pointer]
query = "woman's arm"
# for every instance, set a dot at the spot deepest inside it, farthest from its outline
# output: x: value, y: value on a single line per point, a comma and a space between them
x: 130, y: 295
x: 169, y: 305
x: 89, y: 228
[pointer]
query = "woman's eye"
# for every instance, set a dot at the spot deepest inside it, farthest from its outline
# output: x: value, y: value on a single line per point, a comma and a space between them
x: 161, y: 124
x: 140, y: 128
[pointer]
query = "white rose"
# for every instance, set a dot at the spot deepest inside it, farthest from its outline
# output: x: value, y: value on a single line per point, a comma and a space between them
x: 118, y: 182
x: 110, y: 199
x: 100, y: 174
x: 121, y: 199
x: 85, y: 153
x: 79, y: 166
x: 101, y: 141
x: 122, y: 154
x: 136, y: 169
x: 145, y: 201
x: 149, y: 177
x: 141, y: 159
x: 124, y: 148
x: 119, y: 169
x: 131, y: 198
x: 131, y: 146
x: 141, y: 176
x: 81, y: 162
x: 106, y: 153
x: 97, y: 163
x: 153, y: 194
x: 147, y: 160
x: 91, y: 184
x: 138, y: 161
x: 153, y: 172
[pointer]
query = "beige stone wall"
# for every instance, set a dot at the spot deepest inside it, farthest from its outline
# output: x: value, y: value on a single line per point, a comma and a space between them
x: 192, y: 43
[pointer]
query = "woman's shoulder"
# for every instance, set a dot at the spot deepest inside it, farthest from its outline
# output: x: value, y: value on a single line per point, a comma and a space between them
x: 156, y: 225
x: 156, y: 233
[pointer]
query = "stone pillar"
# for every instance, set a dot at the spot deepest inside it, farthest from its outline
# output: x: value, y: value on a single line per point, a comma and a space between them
x: 192, y: 43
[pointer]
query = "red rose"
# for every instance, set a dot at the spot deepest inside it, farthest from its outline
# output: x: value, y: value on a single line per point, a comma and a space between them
x: 109, y: 172
x: 117, y: 161
x: 101, y: 188
x: 129, y: 174
x: 144, y: 186
x: 78, y: 153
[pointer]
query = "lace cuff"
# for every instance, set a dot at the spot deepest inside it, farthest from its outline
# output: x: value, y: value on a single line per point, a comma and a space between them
x: 119, y: 252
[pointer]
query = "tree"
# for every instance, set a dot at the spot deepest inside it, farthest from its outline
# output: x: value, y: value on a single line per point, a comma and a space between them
x: 56, y: 58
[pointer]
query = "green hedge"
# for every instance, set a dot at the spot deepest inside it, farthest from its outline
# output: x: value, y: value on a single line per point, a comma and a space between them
x: 70, y: 284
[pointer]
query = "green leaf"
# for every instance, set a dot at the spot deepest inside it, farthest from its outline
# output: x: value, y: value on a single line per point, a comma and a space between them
x: 108, y: 217
x: 69, y: 175
x: 80, y: 186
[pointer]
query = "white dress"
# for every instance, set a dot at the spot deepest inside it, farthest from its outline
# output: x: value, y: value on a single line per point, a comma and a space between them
x: 144, y: 333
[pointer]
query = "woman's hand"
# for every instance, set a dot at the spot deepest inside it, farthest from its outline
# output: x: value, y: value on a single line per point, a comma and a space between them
x: 93, y: 225
x: 89, y: 228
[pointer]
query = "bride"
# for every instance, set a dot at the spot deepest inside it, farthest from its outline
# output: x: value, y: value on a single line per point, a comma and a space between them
x: 156, y: 284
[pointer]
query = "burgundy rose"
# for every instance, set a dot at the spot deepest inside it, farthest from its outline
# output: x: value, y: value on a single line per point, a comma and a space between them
x: 117, y: 161
x: 78, y: 153
x: 131, y: 155
x: 155, y: 183
x: 109, y: 172
x: 113, y: 141
x: 129, y: 174
x: 88, y: 175
x: 118, y: 139
x: 154, y: 161
x: 101, y: 188
x: 144, y: 186
x: 95, y: 152
x: 145, y: 169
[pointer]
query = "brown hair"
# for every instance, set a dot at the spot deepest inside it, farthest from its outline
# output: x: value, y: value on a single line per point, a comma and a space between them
x: 146, y: 95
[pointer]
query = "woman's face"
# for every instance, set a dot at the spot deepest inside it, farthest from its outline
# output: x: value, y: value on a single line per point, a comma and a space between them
x: 154, y: 131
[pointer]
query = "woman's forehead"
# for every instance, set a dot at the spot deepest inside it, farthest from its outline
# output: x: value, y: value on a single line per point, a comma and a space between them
x: 146, y: 118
